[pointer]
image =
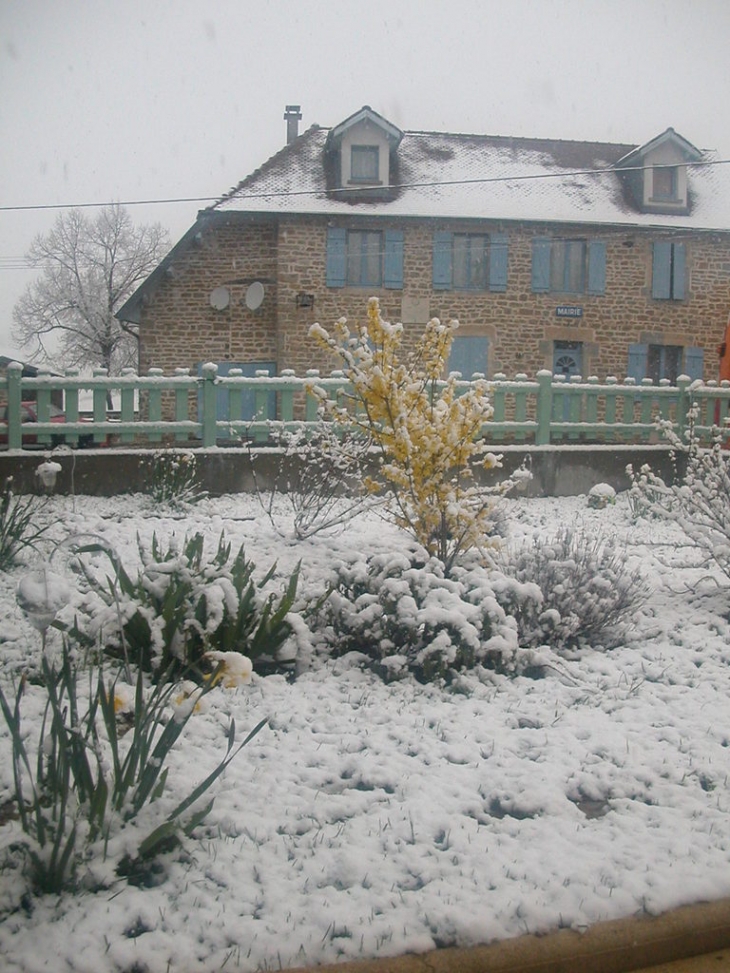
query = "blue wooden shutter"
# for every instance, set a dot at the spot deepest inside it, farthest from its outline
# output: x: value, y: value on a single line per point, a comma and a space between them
x: 661, y: 283
x: 336, y: 256
x: 393, y: 262
x: 442, y: 269
x: 597, y: 267
x: 694, y: 362
x: 679, y: 264
x: 468, y: 355
x: 498, y: 248
x: 541, y: 264
x: 638, y: 360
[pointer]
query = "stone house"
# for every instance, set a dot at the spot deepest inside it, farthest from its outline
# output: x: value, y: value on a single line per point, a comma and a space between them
x: 581, y: 257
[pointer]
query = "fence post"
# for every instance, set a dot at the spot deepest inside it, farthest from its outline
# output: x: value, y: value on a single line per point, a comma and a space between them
x: 127, y: 404
x: 261, y: 407
x: 71, y: 405
x: 43, y: 408
x: 15, y: 396
x: 100, y: 399
x: 312, y: 402
x: 544, y: 406
x: 210, y: 403
x: 286, y: 398
x: 684, y: 404
x: 181, y: 404
x: 154, y: 405
x: 610, y: 413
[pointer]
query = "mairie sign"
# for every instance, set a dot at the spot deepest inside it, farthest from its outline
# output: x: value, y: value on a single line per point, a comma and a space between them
x: 568, y: 311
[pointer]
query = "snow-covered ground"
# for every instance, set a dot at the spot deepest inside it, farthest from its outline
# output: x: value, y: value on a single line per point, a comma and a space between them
x: 370, y: 819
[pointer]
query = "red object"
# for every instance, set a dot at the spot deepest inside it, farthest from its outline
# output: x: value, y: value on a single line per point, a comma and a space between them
x: 29, y: 414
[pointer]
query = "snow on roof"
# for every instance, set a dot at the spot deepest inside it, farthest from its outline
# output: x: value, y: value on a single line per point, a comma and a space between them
x: 443, y: 175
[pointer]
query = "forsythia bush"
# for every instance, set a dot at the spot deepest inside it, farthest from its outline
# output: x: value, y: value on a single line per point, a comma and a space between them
x: 423, y: 427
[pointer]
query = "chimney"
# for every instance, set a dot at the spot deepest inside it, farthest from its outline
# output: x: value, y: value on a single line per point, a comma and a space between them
x: 292, y: 117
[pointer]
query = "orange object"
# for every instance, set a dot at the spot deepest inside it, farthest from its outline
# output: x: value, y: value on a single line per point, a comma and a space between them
x: 723, y: 351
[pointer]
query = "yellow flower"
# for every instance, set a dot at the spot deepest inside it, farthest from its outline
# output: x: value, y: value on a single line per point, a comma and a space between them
x: 230, y: 669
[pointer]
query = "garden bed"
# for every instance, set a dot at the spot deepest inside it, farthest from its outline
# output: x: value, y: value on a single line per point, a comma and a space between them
x: 372, y: 819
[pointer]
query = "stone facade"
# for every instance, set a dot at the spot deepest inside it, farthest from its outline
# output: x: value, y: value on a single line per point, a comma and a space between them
x: 287, y: 254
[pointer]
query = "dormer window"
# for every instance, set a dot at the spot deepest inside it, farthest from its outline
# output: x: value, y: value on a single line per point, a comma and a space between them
x: 664, y: 182
x: 360, y: 157
x: 365, y: 164
x: 656, y: 174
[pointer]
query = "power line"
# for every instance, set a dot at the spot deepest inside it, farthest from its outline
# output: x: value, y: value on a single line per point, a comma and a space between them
x: 358, y: 190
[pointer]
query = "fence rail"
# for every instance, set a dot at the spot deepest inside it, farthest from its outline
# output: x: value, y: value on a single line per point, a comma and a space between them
x: 208, y: 409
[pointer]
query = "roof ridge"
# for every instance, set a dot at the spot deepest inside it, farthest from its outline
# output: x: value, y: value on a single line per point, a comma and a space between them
x: 518, y: 138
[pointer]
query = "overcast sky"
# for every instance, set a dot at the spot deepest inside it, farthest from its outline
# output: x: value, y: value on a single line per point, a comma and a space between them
x: 124, y: 100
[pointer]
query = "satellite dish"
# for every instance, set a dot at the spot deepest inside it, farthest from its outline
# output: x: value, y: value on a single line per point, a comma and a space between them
x: 254, y: 295
x: 220, y: 298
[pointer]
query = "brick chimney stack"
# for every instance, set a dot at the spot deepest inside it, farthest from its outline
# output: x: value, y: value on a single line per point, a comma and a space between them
x: 292, y: 117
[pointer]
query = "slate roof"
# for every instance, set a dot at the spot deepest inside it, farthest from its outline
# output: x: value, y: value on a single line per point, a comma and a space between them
x: 443, y: 175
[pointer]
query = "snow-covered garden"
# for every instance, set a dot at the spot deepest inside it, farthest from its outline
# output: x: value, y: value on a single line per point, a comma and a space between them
x: 273, y: 730
x: 372, y: 818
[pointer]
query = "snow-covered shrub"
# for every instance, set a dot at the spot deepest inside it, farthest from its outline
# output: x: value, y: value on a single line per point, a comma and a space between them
x: 601, y: 495
x: 88, y: 806
x: 697, y: 501
x: 402, y: 614
x: 183, y: 604
x: 574, y: 589
x: 172, y: 477
x: 320, y: 479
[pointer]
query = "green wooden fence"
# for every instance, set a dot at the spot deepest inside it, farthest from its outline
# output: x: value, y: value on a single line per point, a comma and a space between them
x: 210, y: 409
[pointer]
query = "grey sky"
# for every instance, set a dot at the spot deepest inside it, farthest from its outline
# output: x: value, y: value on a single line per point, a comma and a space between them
x: 118, y: 100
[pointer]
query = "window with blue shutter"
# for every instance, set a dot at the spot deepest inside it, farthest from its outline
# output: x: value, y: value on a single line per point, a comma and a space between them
x: 664, y: 362
x: 679, y: 269
x: 469, y: 261
x: 469, y: 354
x: 393, y: 261
x: 498, y: 250
x: 336, y: 256
x: 364, y: 258
x: 541, y: 265
x: 442, y: 265
x: 669, y: 271
x: 694, y: 363
x: 597, y: 267
x: 638, y: 358
x: 568, y: 266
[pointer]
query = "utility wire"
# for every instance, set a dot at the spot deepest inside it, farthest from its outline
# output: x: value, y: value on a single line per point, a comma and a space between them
x: 358, y: 190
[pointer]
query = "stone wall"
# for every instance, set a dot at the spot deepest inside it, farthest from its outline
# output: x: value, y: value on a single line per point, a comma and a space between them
x: 556, y: 471
x: 179, y: 328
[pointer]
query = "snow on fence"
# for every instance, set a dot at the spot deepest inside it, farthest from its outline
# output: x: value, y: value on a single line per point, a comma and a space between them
x: 209, y: 409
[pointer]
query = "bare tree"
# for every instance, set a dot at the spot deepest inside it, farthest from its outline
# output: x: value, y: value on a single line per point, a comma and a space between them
x: 89, y: 267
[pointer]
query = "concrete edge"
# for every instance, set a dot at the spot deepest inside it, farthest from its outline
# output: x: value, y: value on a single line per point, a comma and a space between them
x: 618, y: 946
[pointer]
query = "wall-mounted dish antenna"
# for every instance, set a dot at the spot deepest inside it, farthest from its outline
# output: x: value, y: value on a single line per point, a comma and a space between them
x: 254, y: 295
x: 220, y: 298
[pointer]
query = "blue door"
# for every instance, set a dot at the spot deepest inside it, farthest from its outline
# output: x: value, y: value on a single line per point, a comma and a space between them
x: 567, y: 361
x: 469, y: 354
x: 567, y: 358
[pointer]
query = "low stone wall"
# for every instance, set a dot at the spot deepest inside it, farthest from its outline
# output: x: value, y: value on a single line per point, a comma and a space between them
x: 557, y: 471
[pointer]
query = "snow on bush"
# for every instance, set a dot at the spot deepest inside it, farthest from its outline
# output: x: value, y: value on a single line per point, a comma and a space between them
x: 698, y: 501
x: 403, y: 614
x: 601, y: 495
x: 575, y: 589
